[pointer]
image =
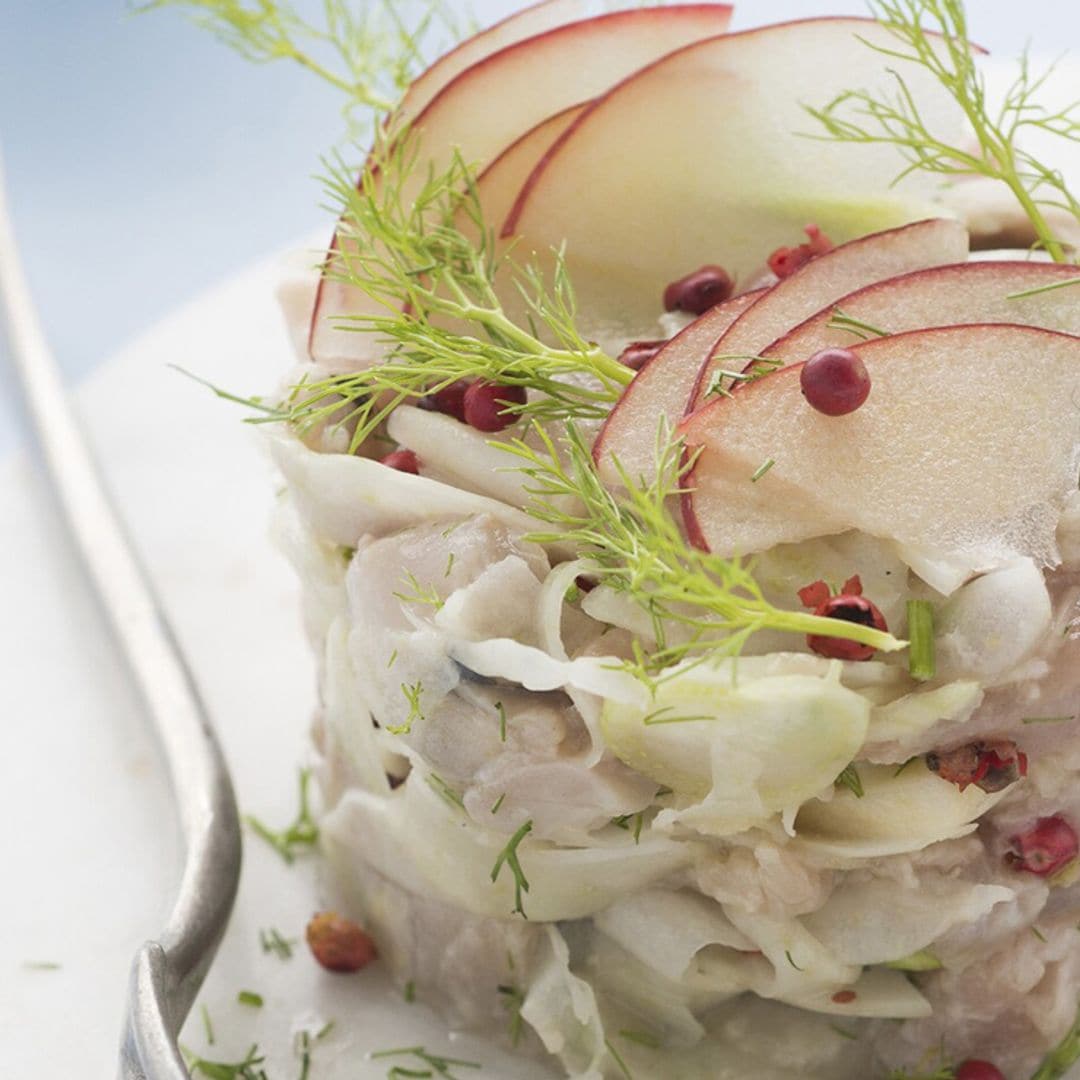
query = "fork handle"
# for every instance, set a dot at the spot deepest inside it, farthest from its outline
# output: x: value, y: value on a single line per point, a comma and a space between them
x: 167, y: 973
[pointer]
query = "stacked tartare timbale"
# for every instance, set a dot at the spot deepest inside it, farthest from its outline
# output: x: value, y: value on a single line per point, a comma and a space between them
x: 816, y: 858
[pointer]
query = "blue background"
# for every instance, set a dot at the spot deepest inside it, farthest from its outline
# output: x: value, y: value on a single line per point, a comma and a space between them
x: 145, y: 161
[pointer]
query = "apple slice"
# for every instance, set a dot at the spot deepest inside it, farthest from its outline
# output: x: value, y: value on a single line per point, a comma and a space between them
x: 535, y: 19
x: 497, y: 186
x: 490, y: 104
x: 830, y: 276
x: 967, y: 446
x: 699, y: 159
x: 975, y: 292
x: 660, y: 389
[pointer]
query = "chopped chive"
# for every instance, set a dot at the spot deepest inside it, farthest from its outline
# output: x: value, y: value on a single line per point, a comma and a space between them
x: 393, y: 659
x: 921, y: 657
x: 762, y: 469
x: 1043, y: 289
x: 498, y: 803
x: 249, y: 997
x: 903, y: 766
x: 842, y: 1033
x: 790, y: 960
x: 410, y: 992
x: 208, y: 1027
x: 272, y: 941
x: 441, y: 787
x: 41, y: 965
x: 1039, y: 934
x: 850, y: 779
x: 501, y: 710
x: 1047, y: 719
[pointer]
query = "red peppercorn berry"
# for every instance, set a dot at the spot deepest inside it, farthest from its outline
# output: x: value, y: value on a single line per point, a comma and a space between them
x: 489, y: 406
x: 784, y: 261
x: 339, y: 944
x: 638, y: 353
x: 850, y: 605
x: 991, y: 765
x: 402, y: 460
x: 449, y: 400
x: 698, y: 292
x: 835, y: 382
x: 978, y: 1070
x: 844, y: 997
x: 1045, y: 848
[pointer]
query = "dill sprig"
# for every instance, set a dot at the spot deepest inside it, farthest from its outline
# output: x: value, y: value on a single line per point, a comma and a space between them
x: 365, y: 51
x: 857, y: 116
x: 638, y: 548
x: 417, y: 245
x: 302, y: 834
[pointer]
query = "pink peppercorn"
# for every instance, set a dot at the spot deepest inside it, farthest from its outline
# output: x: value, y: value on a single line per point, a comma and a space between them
x: 490, y: 406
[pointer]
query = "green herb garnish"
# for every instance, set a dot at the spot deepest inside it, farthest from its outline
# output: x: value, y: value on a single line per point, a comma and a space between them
x: 638, y: 548
x: 246, y: 1069
x: 922, y: 663
x: 302, y: 834
x: 250, y: 998
x: 272, y: 941
x: 513, y: 998
x: 363, y: 50
x: 841, y: 320
x: 857, y: 116
x: 441, y: 1066
x: 413, y: 693
x: 850, y: 779
x: 509, y: 857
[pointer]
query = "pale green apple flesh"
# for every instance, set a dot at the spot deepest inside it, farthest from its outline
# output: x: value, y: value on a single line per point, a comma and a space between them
x: 968, y: 446
x: 976, y: 292
x: 701, y: 158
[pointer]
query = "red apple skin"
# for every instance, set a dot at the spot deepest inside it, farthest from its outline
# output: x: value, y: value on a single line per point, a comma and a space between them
x: 805, y: 502
x: 889, y: 251
x: 689, y: 224
x: 945, y: 296
x: 537, y: 18
x: 679, y: 23
x: 662, y: 386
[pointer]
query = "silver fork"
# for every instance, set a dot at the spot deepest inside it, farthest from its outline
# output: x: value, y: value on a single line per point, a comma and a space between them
x: 167, y: 972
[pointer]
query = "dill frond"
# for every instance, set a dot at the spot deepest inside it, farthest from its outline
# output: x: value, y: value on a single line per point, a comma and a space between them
x: 857, y: 116
x: 639, y: 549
x: 366, y: 51
x: 418, y: 246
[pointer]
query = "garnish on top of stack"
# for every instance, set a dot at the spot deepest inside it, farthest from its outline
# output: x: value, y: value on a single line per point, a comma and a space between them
x: 845, y: 457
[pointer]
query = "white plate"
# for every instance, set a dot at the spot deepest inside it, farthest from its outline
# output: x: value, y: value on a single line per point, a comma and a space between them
x: 90, y: 850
